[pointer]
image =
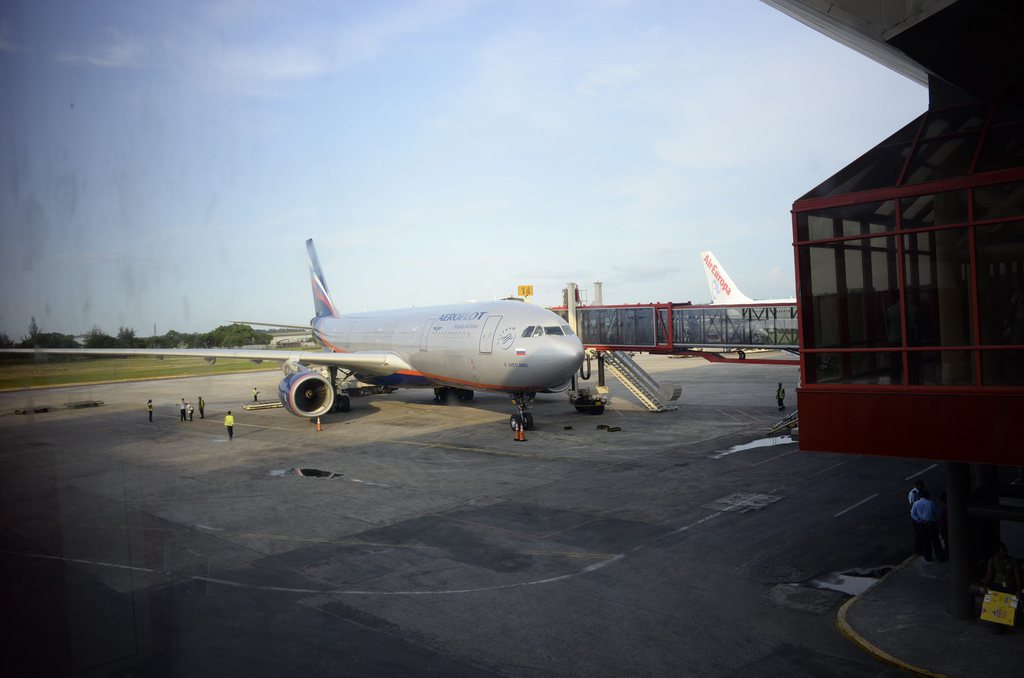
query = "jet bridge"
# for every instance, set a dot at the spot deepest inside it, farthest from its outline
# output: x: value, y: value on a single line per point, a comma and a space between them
x: 713, y: 332
x: 674, y: 328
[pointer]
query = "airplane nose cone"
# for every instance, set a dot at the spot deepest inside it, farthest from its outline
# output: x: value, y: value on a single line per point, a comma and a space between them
x: 569, y: 354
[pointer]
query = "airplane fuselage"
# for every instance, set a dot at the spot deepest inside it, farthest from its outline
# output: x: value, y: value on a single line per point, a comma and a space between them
x: 493, y: 346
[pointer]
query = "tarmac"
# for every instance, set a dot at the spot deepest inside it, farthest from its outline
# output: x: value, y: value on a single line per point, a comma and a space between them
x: 903, y: 620
x: 443, y: 546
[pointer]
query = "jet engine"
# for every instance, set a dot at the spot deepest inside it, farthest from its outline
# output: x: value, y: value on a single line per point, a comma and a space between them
x: 306, y: 393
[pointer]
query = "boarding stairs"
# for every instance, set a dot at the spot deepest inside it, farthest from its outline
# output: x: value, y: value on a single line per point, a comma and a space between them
x: 654, y: 397
x: 787, y: 423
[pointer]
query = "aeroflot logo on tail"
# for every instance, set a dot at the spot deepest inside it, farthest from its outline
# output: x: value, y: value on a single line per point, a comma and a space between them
x: 462, y: 316
x: 719, y: 278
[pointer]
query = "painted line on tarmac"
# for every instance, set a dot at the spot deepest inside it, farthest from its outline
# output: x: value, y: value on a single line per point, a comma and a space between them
x: 334, y: 592
x: 826, y: 470
x: 359, y: 592
x: 778, y: 456
x: 851, y: 634
x: 921, y: 472
x: 80, y: 561
x: 850, y: 508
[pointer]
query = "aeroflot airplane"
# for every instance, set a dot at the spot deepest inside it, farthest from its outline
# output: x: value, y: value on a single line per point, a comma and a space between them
x: 724, y: 290
x: 504, y: 346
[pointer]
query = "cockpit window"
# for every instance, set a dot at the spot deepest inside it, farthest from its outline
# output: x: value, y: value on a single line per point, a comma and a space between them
x: 538, y: 331
x: 555, y: 329
x: 567, y: 330
x: 528, y: 332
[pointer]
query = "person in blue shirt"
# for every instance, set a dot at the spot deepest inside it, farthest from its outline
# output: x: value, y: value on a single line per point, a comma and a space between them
x: 925, y: 514
x: 915, y: 492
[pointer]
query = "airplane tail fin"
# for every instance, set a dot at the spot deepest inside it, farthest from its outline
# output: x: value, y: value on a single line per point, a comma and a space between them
x: 321, y: 297
x: 723, y: 289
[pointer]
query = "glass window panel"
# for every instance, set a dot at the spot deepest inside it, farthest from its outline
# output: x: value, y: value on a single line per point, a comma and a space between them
x: 1007, y: 113
x: 936, y: 209
x: 686, y: 326
x: 941, y: 159
x: 1002, y: 368
x: 940, y: 368
x: 1005, y: 201
x: 905, y: 134
x: 848, y: 289
x: 953, y: 120
x: 615, y: 326
x: 878, y: 168
x: 937, y: 288
x: 859, y: 219
x: 885, y: 367
x: 713, y: 322
x: 1003, y: 149
x: 1000, y: 258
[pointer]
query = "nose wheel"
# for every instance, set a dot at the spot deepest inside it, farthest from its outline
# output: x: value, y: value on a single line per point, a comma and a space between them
x: 525, y: 417
x: 522, y: 401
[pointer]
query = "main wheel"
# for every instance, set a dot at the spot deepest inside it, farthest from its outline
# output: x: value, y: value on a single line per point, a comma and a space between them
x: 342, y: 404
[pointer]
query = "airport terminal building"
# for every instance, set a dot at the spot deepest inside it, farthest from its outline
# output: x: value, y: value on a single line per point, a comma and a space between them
x: 910, y: 264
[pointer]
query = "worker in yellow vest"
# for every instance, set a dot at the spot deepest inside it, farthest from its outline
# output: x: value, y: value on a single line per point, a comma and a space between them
x: 229, y: 423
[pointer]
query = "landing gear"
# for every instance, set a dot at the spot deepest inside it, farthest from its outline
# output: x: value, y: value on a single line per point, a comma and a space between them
x: 441, y: 395
x: 525, y: 417
x: 522, y: 401
x: 464, y: 394
x: 342, y: 404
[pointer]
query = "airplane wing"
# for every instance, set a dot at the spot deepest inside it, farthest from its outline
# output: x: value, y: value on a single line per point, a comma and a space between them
x: 283, y: 326
x: 377, y: 363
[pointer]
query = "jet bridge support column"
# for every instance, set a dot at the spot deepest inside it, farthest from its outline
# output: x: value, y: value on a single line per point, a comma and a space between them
x: 570, y: 306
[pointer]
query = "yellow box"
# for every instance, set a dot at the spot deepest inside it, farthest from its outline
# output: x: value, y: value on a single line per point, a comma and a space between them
x: 999, y: 607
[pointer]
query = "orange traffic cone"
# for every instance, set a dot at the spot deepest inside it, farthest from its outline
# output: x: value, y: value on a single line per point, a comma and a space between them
x: 318, y: 427
x: 520, y: 433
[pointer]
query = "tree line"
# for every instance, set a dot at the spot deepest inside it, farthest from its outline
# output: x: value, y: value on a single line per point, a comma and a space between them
x: 225, y: 336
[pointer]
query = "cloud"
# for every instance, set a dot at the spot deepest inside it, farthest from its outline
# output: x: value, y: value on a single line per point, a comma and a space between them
x: 334, y: 44
x: 121, y: 51
x: 610, y: 79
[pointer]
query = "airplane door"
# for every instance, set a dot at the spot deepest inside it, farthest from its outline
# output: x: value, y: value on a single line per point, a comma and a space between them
x: 487, y: 333
x: 425, y: 333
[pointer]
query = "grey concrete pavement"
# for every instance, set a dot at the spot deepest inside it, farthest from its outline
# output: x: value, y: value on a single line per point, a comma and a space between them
x: 903, y: 620
x: 446, y: 547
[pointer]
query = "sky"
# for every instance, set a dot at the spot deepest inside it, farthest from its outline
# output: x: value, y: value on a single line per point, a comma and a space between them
x: 163, y: 163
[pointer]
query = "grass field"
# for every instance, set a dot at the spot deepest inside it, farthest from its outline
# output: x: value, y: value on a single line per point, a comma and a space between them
x: 100, y: 370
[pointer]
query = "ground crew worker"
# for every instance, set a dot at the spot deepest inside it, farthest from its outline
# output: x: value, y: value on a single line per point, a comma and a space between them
x: 229, y: 423
x: 202, y: 406
x: 191, y: 411
x: 182, y: 408
x: 149, y: 408
x: 254, y: 394
x: 780, y: 395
